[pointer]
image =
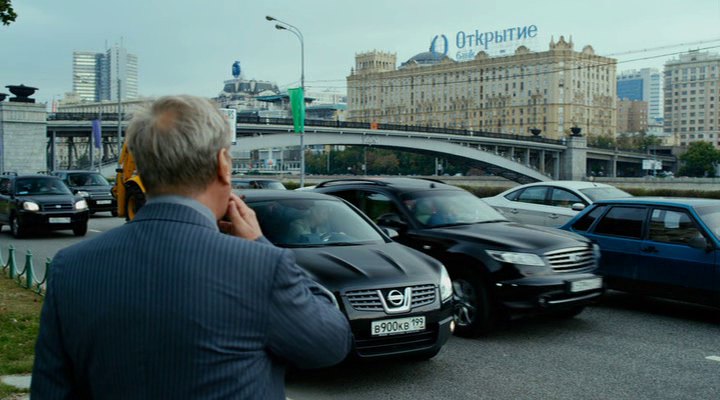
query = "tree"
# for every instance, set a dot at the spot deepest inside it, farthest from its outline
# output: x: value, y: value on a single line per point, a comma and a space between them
x: 699, y: 160
x: 7, y: 14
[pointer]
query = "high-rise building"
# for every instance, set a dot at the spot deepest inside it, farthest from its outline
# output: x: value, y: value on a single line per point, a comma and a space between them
x: 692, y: 88
x: 96, y: 76
x: 642, y: 85
x: 551, y: 91
x: 85, y: 75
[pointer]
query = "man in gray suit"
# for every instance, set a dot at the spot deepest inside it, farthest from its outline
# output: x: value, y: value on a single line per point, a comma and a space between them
x: 167, y: 306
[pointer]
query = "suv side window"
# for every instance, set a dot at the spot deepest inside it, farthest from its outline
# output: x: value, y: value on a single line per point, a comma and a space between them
x: 671, y: 226
x: 622, y: 221
x: 4, y: 186
x: 533, y: 195
x: 564, y: 198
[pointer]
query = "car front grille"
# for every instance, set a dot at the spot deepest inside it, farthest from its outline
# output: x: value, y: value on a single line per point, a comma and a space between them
x: 64, y: 206
x: 571, y: 259
x: 369, y: 300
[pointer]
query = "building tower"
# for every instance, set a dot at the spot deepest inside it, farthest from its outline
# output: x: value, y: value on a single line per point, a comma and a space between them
x: 691, y: 98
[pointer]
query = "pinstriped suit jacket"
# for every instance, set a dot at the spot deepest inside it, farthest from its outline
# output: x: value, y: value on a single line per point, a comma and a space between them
x: 167, y: 307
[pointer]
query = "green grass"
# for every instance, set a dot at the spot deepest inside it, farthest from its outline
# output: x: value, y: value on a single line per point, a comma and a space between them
x: 19, y: 322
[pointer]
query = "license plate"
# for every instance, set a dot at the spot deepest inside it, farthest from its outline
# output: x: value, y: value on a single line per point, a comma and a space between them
x: 585, y: 284
x: 103, y: 201
x: 60, y: 220
x: 397, y: 326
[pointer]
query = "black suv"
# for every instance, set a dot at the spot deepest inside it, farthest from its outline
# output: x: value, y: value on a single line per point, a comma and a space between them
x: 497, y: 267
x: 93, y: 187
x: 39, y: 201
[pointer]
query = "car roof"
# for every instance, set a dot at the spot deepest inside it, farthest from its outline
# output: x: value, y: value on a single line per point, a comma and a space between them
x: 404, y: 184
x: 663, y: 201
x: 254, y: 180
x: 273, y: 194
x: 33, y: 176
x: 566, y: 184
x: 76, y: 171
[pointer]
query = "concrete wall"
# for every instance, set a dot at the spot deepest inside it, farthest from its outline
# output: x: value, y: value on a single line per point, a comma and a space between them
x: 23, y: 137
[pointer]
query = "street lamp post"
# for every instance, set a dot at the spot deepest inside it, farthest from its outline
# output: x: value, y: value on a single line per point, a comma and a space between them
x: 295, y: 31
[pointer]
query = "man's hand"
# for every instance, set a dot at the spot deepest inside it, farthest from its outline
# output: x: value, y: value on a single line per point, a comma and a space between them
x: 243, y: 223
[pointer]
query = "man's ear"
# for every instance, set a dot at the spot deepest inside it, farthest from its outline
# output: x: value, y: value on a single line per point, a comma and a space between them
x: 224, y: 166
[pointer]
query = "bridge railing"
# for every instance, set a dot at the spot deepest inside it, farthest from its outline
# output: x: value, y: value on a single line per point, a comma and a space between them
x: 26, y: 276
x: 391, y: 127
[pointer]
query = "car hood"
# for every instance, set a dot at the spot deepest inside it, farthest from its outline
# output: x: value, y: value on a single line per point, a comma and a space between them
x: 367, y: 266
x: 50, y: 198
x: 93, y: 189
x: 511, y: 236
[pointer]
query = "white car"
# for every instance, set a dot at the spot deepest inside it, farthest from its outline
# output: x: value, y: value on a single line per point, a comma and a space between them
x: 551, y: 203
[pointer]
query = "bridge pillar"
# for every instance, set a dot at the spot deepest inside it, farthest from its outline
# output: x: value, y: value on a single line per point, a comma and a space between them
x: 511, y: 154
x: 574, y: 160
x: 23, y: 133
x: 556, y: 166
x: 542, y: 162
x: 526, y: 158
x: 612, y: 166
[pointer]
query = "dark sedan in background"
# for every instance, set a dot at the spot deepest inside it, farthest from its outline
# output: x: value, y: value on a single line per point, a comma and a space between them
x: 398, y: 300
x: 93, y: 187
x: 665, y: 247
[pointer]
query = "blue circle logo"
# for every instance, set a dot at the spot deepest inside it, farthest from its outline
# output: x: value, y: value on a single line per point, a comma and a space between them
x: 439, y: 46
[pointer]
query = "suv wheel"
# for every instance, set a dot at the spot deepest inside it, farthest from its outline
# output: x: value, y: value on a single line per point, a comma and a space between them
x: 80, y: 229
x: 474, y: 314
x: 16, y: 229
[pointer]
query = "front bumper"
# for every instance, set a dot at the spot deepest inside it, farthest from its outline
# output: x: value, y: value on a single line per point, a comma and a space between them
x: 550, y: 292
x: 42, y: 219
x: 438, y: 321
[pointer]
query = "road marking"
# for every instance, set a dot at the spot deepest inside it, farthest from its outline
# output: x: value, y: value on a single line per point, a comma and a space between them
x: 95, y: 230
x: 713, y: 358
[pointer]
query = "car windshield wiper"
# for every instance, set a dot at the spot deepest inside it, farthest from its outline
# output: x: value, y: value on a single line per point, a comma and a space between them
x: 453, y: 224
x: 491, y: 221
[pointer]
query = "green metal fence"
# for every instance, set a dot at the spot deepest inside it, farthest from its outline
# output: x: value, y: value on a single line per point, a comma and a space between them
x: 26, y: 276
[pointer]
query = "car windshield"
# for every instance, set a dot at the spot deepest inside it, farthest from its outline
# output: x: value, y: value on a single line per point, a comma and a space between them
x: 83, y: 179
x: 434, y: 208
x: 710, y: 215
x: 40, y: 186
x: 603, y: 193
x: 313, y: 223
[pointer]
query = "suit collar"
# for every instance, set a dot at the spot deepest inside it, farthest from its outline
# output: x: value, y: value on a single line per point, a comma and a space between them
x: 174, y: 211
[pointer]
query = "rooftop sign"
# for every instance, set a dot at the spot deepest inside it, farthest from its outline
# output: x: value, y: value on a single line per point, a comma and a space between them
x: 465, y: 45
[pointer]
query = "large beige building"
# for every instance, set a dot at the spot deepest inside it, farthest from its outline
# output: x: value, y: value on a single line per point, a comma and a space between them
x: 551, y: 91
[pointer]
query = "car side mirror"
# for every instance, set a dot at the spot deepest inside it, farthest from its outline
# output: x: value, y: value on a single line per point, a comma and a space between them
x: 578, y: 206
x: 391, y: 233
x: 391, y: 220
x: 699, y: 242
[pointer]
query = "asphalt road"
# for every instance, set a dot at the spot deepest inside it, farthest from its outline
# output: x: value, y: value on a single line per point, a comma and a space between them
x: 626, y: 347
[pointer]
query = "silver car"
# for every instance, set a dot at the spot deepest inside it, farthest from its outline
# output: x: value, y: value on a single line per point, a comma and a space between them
x: 551, y: 203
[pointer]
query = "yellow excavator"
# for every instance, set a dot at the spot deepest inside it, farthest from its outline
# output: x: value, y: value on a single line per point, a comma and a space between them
x: 129, y: 190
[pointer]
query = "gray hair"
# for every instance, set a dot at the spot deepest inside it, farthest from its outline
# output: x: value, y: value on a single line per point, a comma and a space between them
x: 175, y: 142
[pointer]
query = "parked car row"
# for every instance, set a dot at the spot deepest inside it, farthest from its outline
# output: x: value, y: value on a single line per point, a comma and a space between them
x: 410, y: 260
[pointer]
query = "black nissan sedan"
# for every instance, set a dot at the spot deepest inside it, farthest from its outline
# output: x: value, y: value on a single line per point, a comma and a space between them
x: 398, y: 300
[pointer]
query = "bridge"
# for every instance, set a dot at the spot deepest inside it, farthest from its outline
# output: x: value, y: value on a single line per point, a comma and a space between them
x: 518, y: 158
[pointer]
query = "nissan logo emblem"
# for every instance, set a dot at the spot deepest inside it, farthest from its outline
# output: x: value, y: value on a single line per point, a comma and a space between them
x: 395, y: 297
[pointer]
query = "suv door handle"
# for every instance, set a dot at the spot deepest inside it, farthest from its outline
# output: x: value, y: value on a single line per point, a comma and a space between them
x: 514, y: 211
x: 553, y: 216
x: 649, y: 249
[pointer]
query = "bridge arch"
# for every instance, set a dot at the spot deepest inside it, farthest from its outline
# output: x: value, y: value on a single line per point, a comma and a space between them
x: 499, y: 165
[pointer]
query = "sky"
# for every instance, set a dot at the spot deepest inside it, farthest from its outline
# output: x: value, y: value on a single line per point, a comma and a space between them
x: 188, y: 47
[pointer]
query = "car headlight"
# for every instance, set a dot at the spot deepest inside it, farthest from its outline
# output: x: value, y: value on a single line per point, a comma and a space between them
x: 446, y: 289
x: 517, y: 258
x: 83, y: 193
x: 31, y: 206
x: 81, y: 205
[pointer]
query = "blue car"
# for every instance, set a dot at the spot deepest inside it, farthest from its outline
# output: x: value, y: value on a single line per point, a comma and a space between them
x: 665, y: 247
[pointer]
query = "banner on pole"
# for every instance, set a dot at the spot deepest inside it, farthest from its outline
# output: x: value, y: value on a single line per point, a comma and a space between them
x: 97, y: 133
x: 297, y: 103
